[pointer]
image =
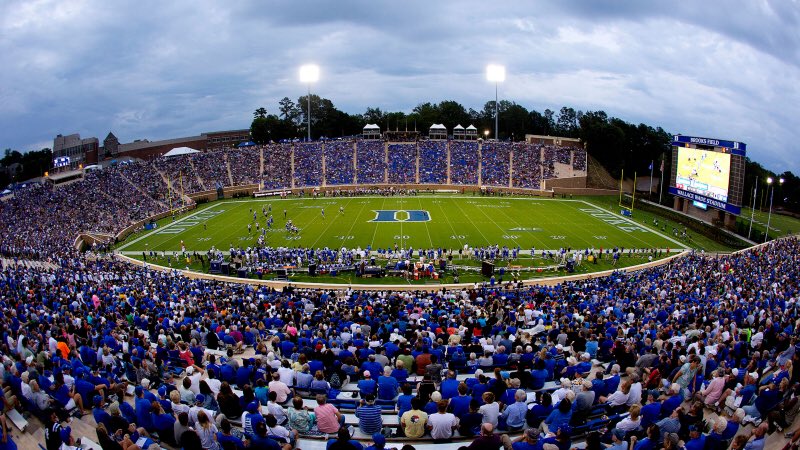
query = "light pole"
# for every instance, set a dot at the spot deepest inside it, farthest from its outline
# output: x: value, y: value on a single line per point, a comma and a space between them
x: 753, y: 211
x: 771, y: 193
x: 497, y: 74
x: 309, y: 73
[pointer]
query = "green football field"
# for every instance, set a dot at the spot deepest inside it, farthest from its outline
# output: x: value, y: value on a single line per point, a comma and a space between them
x: 443, y: 221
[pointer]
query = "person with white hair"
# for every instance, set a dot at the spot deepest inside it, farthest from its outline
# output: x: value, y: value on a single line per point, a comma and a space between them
x: 513, y: 416
x: 561, y: 392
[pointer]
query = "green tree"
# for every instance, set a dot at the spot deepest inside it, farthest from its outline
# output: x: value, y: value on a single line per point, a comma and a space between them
x: 288, y: 110
x: 259, y: 130
x: 260, y: 113
x: 374, y: 115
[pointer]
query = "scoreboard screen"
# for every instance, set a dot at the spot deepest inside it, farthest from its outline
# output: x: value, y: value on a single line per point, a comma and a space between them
x: 704, y: 172
x: 708, y: 172
x: 62, y: 161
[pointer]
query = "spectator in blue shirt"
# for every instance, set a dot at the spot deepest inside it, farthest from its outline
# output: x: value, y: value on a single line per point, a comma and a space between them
x: 513, y: 416
x: 387, y: 385
x: 367, y: 386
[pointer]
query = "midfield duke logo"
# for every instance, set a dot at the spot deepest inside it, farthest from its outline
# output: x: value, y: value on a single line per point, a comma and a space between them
x: 401, y: 215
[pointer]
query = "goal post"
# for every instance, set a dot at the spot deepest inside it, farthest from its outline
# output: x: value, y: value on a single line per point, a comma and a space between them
x: 626, y: 201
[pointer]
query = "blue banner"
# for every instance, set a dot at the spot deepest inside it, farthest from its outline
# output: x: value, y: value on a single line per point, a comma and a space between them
x: 727, y: 207
x: 734, y: 147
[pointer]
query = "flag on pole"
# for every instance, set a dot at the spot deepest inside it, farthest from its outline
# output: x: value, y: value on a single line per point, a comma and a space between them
x: 651, y: 166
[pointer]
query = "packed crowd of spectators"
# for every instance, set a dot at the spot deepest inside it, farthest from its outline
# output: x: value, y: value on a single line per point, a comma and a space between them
x: 579, y: 159
x: 432, y: 162
x: 371, y: 158
x: 245, y: 164
x: 148, y: 180
x: 557, y: 154
x: 339, y: 162
x: 463, y: 162
x: 212, y: 168
x: 308, y: 164
x: 277, y: 166
x: 495, y: 163
x: 403, y: 163
x: 180, y: 173
x: 679, y: 340
x: 527, y: 166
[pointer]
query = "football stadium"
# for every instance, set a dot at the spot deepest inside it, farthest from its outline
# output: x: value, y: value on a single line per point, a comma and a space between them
x: 440, y: 279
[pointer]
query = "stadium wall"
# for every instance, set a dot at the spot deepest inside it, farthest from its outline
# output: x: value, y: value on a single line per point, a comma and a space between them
x: 569, y: 182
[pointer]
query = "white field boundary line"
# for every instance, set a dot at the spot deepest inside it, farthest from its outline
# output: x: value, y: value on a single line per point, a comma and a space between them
x: 167, y: 226
x: 375, y: 252
x: 658, y: 233
x: 398, y: 197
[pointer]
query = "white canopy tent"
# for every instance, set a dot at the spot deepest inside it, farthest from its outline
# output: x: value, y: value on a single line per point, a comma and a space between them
x: 179, y: 151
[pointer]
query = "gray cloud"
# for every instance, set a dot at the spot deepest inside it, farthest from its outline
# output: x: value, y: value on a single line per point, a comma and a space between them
x: 154, y: 70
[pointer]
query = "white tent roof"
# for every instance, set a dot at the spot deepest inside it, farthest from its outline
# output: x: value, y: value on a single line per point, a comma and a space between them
x: 471, y: 127
x: 180, y: 151
x: 438, y: 126
x: 371, y: 126
x: 458, y: 127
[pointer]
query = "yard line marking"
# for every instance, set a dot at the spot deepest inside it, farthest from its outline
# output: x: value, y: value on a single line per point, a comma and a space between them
x: 169, y: 225
x: 477, y: 228
x: 447, y: 219
x: 427, y: 230
x: 325, y: 231
x: 680, y: 245
x: 498, y: 226
x: 353, y: 222
x: 520, y: 225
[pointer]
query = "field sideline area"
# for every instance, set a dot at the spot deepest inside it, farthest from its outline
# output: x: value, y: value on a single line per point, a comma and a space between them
x: 380, y: 222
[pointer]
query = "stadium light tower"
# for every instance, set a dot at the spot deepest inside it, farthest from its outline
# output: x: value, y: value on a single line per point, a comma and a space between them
x: 771, y: 192
x: 309, y: 73
x: 497, y: 74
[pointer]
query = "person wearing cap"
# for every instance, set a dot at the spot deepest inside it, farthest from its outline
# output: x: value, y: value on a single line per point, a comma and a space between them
x: 696, y: 441
x: 378, y: 442
x: 143, y: 409
x: 195, y: 409
x: 618, y: 440
x: 251, y: 418
x: 367, y: 386
x: 67, y: 441
x: 527, y: 441
x: 100, y: 415
x: 651, y: 411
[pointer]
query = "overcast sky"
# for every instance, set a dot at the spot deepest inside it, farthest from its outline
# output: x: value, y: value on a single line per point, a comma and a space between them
x: 155, y: 69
